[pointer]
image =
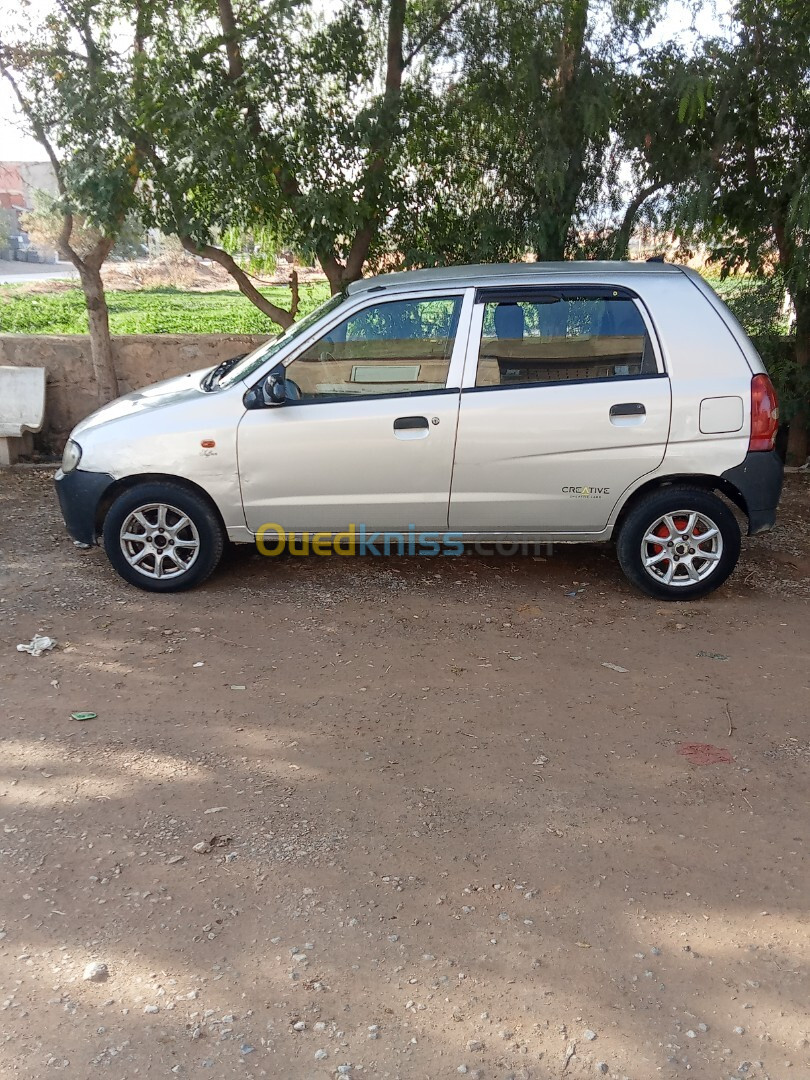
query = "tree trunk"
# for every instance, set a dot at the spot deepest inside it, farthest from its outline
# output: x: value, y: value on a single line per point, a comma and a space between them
x: 558, y: 195
x: 621, y: 240
x: 333, y: 270
x: 100, y: 340
x: 798, y: 443
x: 89, y: 267
x: 383, y: 137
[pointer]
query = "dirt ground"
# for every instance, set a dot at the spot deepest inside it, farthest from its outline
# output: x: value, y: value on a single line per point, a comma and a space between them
x: 172, y: 270
x: 444, y: 837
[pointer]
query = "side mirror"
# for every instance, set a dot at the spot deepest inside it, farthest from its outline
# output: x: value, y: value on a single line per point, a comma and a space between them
x: 274, y: 389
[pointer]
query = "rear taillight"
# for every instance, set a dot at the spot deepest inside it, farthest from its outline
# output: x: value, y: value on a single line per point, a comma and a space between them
x: 764, y: 414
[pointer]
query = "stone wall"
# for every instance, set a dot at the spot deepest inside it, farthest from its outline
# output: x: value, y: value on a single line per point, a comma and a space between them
x: 140, y: 359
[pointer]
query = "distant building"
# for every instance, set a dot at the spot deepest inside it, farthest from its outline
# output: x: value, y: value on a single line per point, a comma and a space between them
x: 18, y: 182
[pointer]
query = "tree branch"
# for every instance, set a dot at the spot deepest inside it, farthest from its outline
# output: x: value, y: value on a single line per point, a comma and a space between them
x: 433, y: 32
x: 394, y: 68
x: 333, y: 268
x: 236, y: 67
x: 279, y: 315
x: 81, y: 25
x: 63, y: 240
x: 394, y: 61
x: 94, y: 259
x: 622, y: 237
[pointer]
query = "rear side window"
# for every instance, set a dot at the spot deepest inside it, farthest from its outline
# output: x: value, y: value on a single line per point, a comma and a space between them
x: 553, y: 337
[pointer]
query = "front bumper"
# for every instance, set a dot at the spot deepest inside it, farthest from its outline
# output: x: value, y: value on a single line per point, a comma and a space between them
x: 759, y: 481
x: 79, y: 494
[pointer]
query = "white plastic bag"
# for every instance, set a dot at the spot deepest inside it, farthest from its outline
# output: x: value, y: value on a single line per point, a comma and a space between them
x: 38, y: 644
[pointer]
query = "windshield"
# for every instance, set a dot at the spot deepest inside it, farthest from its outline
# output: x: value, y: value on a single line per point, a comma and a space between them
x: 253, y: 360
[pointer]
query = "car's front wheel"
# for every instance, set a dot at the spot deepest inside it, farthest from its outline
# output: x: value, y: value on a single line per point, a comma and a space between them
x: 679, y: 543
x: 162, y: 537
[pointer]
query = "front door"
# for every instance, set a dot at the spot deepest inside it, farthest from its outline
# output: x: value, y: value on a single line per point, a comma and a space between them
x: 568, y: 406
x: 367, y: 433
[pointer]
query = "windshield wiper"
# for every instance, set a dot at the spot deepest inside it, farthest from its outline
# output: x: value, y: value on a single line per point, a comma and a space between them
x: 216, y: 373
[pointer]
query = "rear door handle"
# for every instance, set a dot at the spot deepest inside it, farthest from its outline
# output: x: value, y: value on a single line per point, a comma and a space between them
x: 628, y: 408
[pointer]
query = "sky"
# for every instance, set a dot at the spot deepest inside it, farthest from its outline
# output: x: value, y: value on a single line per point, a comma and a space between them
x: 17, y: 145
x: 14, y: 144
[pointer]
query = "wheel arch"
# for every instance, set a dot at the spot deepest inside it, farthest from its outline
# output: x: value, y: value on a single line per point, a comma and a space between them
x: 126, y: 483
x: 699, y: 480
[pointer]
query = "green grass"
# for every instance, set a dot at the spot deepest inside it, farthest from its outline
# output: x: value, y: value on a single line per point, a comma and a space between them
x: 148, y: 311
x: 177, y: 311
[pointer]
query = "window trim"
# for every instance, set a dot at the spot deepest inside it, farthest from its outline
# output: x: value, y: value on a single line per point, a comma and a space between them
x: 523, y: 294
x: 339, y: 399
x: 563, y: 382
x: 457, y: 355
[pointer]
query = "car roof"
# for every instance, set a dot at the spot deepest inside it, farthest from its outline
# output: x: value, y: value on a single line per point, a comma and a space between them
x: 522, y: 273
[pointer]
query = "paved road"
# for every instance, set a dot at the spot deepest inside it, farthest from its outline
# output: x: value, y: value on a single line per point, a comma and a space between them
x: 13, y: 272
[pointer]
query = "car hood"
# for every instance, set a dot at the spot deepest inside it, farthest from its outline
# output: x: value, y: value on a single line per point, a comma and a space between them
x: 168, y: 392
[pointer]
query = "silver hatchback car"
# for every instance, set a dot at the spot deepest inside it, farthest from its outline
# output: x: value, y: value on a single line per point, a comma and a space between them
x: 560, y: 402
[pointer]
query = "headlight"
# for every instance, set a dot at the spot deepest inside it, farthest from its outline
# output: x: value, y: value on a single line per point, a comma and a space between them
x: 71, y: 457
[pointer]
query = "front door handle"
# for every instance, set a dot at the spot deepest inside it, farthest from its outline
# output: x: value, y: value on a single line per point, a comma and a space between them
x: 628, y: 408
x: 411, y: 427
x: 405, y: 423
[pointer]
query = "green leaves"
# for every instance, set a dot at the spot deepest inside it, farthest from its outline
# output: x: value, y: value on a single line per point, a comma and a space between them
x: 695, y: 94
x: 68, y: 74
x: 516, y: 151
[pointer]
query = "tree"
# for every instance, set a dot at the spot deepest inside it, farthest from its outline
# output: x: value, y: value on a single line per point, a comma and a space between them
x: 748, y: 108
x: 43, y: 224
x: 279, y: 120
x: 649, y: 130
x: 64, y: 75
x: 525, y: 140
x: 387, y: 132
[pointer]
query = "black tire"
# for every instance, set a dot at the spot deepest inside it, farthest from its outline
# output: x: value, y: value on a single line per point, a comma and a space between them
x: 712, y: 559
x: 204, y: 529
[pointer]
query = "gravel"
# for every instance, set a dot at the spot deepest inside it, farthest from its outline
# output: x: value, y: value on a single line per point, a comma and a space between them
x: 96, y: 972
x: 382, y: 779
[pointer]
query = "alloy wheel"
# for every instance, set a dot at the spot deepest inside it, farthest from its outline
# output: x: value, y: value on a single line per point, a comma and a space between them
x: 681, y: 548
x: 159, y: 541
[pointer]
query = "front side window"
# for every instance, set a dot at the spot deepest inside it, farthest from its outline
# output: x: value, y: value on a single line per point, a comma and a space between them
x: 562, y: 337
x: 248, y: 364
x: 394, y: 347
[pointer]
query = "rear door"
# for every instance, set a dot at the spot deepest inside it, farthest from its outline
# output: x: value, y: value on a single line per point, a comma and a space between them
x: 564, y: 405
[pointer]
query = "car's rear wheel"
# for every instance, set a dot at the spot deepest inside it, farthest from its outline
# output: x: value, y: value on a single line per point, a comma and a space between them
x: 679, y: 543
x: 162, y: 537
